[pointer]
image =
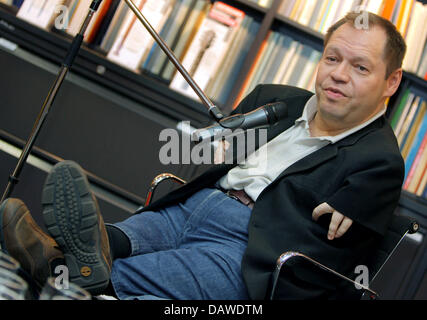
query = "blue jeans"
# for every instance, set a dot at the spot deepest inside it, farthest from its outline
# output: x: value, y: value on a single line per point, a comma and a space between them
x: 192, y: 250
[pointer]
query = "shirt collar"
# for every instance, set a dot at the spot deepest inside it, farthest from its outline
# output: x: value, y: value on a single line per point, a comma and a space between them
x: 310, y: 110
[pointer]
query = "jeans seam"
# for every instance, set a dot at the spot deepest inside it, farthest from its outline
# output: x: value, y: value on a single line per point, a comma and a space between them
x: 195, y: 213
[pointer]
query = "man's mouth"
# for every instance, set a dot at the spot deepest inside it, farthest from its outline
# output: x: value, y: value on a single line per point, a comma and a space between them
x: 334, y: 93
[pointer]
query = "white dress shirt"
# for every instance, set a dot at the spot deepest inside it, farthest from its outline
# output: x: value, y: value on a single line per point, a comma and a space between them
x: 265, y: 165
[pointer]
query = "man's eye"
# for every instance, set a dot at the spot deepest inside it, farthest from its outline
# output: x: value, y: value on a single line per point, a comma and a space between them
x: 331, y: 59
x: 362, y: 68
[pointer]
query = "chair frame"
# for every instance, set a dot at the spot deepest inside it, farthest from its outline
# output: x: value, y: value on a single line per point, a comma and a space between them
x: 288, y: 255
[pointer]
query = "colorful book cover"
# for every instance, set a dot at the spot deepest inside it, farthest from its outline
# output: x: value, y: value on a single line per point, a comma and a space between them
x: 168, y: 33
x: 388, y: 9
x: 185, y: 37
x: 422, y: 186
x: 416, y: 145
x: 284, y: 43
x: 243, y: 90
x: 409, y: 126
x: 405, y: 112
x: 134, y: 42
x: 40, y: 13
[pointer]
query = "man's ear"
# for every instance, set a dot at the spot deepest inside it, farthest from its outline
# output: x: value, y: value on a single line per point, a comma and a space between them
x: 393, y: 82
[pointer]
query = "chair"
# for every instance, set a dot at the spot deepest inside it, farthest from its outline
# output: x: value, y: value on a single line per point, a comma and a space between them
x: 399, y: 227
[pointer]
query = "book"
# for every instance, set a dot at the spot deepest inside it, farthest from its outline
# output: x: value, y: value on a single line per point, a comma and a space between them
x: 192, y: 24
x: 401, y: 13
x: 413, y: 130
x: 330, y: 16
x: 300, y: 8
x: 322, y: 14
x: 240, y: 56
x: 309, y: 70
x: 105, y: 24
x: 421, y: 40
x: 402, y: 117
x: 244, y: 90
x: 39, y: 12
x: 388, y: 9
x: 406, y: 16
x: 209, y: 46
x: 301, y: 63
x: 417, y: 30
x: 422, y: 69
x: 285, y: 7
x: 78, y: 11
x: 415, y: 173
x: 133, y: 41
x: 291, y: 49
x: 282, y: 47
x: 220, y: 84
x: 307, y: 12
x: 374, y: 6
x: 408, y: 120
x: 416, y: 145
x: 399, y: 109
x: 114, y: 27
x: 295, y: 8
x: 315, y: 14
x: 267, y: 69
x: 422, y: 185
x: 292, y: 63
x: 95, y: 24
x: 396, y: 11
x: 265, y: 58
x: 347, y: 6
x: 168, y: 34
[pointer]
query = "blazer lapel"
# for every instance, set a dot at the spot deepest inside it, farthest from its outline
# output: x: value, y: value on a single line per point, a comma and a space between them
x: 329, y: 151
x: 312, y: 160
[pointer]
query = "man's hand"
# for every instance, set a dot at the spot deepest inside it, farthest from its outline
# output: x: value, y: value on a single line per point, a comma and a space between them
x: 339, y: 223
x: 219, y: 155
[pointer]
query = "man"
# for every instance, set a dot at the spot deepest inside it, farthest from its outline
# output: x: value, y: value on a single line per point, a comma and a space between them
x: 333, y: 179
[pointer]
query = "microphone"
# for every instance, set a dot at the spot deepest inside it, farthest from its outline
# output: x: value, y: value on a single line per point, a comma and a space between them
x: 261, y: 117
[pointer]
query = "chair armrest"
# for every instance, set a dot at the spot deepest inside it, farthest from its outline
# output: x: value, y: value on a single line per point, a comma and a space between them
x: 157, y: 180
x: 286, y: 256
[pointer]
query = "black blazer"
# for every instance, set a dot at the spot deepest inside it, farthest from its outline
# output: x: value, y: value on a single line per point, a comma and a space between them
x: 360, y: 176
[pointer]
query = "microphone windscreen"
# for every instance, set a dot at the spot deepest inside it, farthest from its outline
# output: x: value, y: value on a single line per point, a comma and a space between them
x: 276, y: 111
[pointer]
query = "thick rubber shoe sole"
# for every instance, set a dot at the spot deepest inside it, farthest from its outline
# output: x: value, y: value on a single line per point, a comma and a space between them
x: 71, y: 218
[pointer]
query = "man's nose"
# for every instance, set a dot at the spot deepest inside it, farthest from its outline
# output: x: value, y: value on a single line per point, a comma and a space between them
x: 341, y: 73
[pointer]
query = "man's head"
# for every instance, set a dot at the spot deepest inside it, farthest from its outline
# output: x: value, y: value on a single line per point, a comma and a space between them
x: 358, y: 70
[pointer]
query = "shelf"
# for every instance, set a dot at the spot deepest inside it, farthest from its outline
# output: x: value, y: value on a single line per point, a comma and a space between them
x: 93, y: 65
x: 416, y: 81
x: 53, y: 159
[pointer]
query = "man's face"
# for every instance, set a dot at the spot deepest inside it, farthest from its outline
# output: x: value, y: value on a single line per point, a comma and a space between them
x: 350, y: 84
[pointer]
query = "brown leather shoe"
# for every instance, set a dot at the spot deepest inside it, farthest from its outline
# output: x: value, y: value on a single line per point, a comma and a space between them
x: 23, y: 239
x: 72, y: 217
